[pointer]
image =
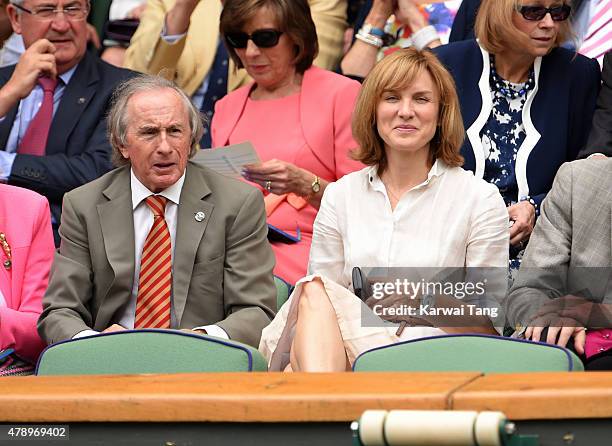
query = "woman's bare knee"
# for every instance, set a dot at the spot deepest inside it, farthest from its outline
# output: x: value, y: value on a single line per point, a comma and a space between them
x: 314, y: 297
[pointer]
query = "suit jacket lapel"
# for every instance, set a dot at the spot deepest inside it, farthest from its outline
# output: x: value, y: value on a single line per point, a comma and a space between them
x: 117, y: 225
x: 189, y: 233
x: 78, y: 93
x: 9, y: 118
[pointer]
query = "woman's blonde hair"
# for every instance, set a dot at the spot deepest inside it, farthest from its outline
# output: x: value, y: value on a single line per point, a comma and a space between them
x: 395, y: 72
x: 495, y: 30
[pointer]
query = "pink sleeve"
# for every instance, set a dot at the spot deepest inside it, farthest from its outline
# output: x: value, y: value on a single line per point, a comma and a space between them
x: 18, y: 326
x: 343, y: 133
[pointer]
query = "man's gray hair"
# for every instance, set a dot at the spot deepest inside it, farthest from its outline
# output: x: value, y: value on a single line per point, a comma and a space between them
x: 118, y: 119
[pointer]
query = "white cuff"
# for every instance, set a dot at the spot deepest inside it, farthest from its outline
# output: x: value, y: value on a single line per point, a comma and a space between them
x: 214, y: 330
x: 6, y: 165
x: 172, y: 38
x: 424, y: 37
x: 85, y: 333
x: 592, y: 155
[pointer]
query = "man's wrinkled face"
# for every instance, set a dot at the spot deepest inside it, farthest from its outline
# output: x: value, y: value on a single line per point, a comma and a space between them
x: 158, y: 138
x: 67, y: 34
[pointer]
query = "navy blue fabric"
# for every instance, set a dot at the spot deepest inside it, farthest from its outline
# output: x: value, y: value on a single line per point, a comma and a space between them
x: 78, y: 150
x: 503, y: 135
x: 217, y: 88
x: 562, y: 110
x: 463, y: 25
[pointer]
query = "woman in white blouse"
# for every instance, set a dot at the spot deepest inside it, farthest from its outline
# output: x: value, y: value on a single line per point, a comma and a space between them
x: 414, y: 206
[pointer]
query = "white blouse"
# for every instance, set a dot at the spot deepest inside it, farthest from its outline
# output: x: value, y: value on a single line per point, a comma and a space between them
x: 451, y: 220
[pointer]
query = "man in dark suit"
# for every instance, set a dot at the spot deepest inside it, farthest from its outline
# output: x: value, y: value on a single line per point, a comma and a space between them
x: 68, y: 147
x: 160, y: 242
x: 600, y: 138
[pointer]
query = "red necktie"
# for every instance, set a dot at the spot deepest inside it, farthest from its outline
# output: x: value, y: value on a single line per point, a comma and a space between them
x: 34, y: 141
x: 155, y: 282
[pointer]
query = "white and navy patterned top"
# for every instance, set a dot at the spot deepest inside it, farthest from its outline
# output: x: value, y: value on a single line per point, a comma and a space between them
x: 502, y: 136
x: 504, y: 133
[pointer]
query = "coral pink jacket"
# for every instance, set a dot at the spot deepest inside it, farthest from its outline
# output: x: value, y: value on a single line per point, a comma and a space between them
x: 326, y: 99
x: 26, y: 223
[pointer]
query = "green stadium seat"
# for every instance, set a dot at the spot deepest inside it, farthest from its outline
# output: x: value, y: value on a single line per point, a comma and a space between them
x: 282, y: 292
x: 483, y: 353
x: 148, y: 351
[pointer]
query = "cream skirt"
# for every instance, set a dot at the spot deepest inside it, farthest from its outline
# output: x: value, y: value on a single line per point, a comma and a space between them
x: 277, y: 337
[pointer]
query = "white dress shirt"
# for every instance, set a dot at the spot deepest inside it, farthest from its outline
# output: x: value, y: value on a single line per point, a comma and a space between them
x: 451, y: 220
x: 143, y: 221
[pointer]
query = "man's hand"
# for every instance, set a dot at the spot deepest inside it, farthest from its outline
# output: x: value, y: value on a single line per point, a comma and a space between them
x: 560, y: 330
x: 198, y: 331
x: 177, y: 19
x: 380, y: 12
x: 408, y: 13
x: 38, y: 60
x: 136, y: 13
x: 523, y: 216
x: 574, y: 307
x: 114, y: 328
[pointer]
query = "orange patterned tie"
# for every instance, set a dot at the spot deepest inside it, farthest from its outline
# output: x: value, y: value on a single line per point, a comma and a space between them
x: 155, y: 283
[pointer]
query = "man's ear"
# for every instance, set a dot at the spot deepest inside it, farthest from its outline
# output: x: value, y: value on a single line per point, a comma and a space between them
x: 124, y: 152
x: 15, y: 17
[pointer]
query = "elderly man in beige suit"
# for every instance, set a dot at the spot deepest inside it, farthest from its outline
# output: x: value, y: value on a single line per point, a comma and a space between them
x: 160, y: 242
x: 565, y: 280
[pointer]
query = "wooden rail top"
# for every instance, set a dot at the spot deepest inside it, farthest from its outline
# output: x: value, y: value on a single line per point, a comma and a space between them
x: 298, y: 397
x: 530, y: 396
x: 250, y: 397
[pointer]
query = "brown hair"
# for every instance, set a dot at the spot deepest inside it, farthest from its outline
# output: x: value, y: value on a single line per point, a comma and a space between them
x: 292, y: 18
x: 397, y: 71
x: 495, y: 30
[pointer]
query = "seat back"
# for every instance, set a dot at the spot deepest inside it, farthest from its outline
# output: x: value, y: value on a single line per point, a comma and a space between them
x: 483, y: 353
x: 282, y: 292
x: 148, y: 351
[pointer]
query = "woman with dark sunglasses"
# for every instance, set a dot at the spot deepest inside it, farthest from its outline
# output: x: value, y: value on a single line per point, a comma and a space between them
x: 527, y: 104
x: 297, y: 117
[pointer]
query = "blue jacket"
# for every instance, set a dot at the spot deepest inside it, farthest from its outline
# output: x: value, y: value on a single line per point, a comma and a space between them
x: 557, y: 114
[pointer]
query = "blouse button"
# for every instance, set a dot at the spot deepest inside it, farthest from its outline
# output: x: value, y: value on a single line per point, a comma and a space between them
x: 601, y: 349
x: 606, y: 336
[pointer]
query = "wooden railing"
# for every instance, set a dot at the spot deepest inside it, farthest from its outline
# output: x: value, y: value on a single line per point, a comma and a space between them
x: 298, y: 397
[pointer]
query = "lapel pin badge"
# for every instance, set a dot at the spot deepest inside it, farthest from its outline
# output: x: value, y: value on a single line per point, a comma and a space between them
x: 7, y: 251
x: 81, y: 100
x: 199, y: 216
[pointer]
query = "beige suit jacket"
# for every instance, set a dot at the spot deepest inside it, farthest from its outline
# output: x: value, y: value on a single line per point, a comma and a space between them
x: 188, y: 61
x: 222, y: 267
x: 570, y: 249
